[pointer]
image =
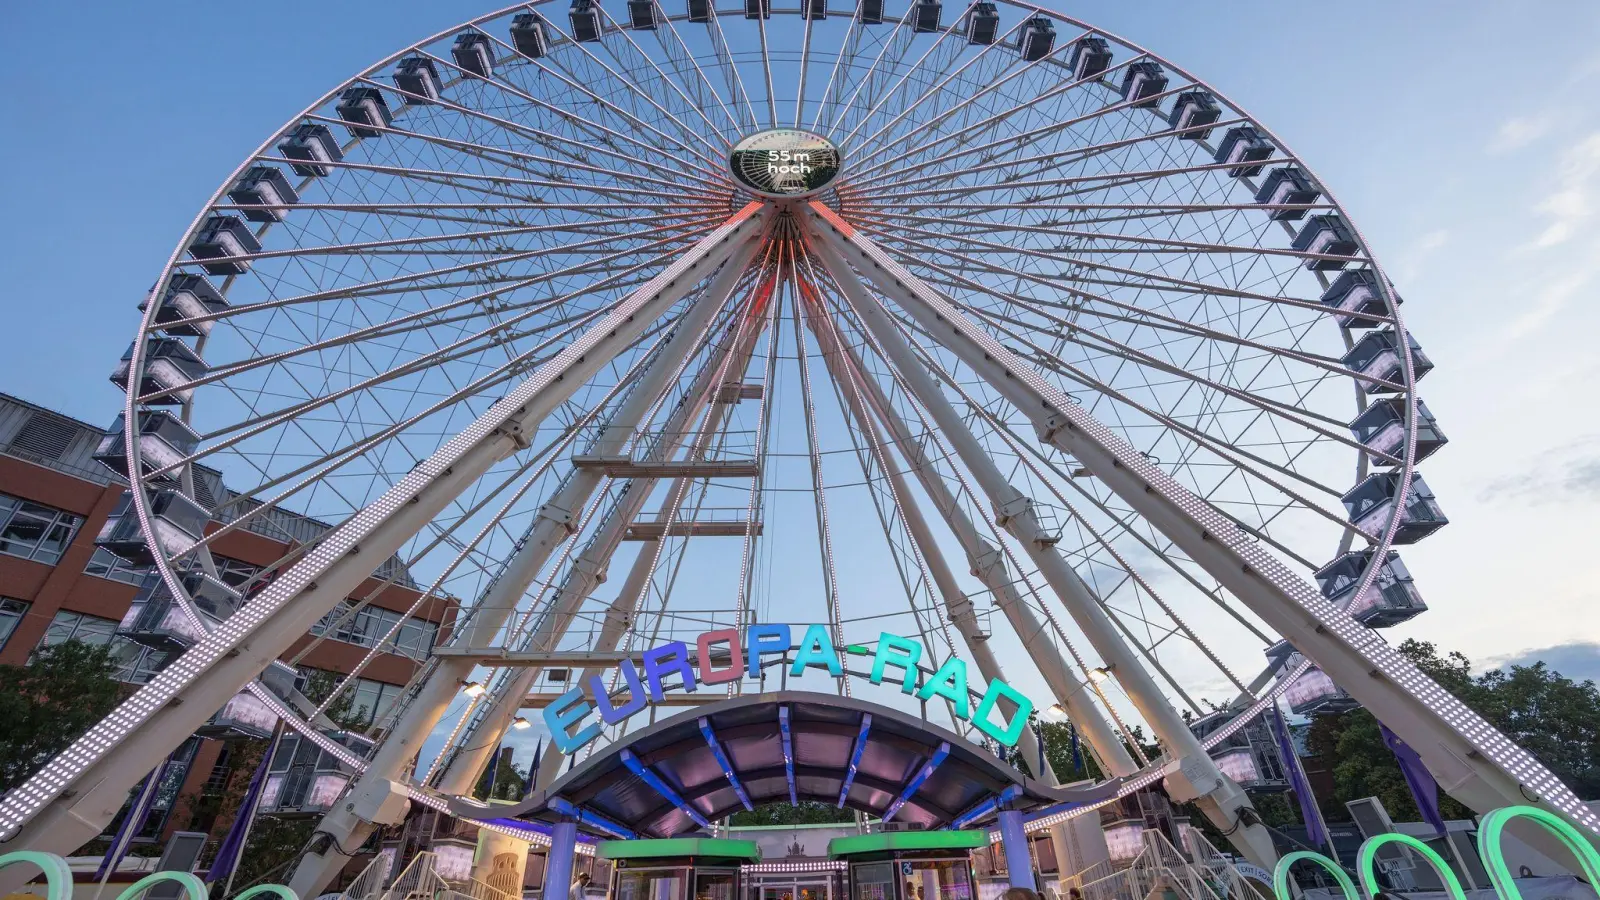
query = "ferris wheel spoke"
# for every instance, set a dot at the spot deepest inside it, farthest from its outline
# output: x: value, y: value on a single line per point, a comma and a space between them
x: 662, y: 77
x: 900, y: 41
x: 730, y: 73
x: 1137, y: 315
x: 418, y: 246
x: 410, y: 279
x: 1143, y: 280
x: 1215, y: 444
x: 598, y: 131
x: 881, y: 138
x: 906, y: 73
x: 600, y: 99
x: 679, y: 54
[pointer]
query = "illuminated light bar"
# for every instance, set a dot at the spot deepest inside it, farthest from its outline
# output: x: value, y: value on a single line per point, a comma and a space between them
x: 821, y: 865
x: 855, y: 758
x: 591, y: 819
x: 648, y: 776
x: 984, y: 807
x: 724, y: 762
x: 917, y: 780
x: 788, y: 753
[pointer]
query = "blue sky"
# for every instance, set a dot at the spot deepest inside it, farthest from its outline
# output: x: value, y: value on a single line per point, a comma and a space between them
x: 1461, y: 135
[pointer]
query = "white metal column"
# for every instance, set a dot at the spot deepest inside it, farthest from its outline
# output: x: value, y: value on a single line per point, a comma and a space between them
x: 376, y: 796
x: 78, y: 792
x: 1471, y: 759
x: 1197, y: 777
x: 592, y: 565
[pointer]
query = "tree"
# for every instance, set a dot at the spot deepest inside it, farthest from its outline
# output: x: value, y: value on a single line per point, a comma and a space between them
x: 1554, y: 718
x: 342, y: 711
x: 45, y: 705
x: 803, y: 813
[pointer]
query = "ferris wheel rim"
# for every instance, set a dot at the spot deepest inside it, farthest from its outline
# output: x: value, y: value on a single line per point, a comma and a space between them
x: 141, y: 499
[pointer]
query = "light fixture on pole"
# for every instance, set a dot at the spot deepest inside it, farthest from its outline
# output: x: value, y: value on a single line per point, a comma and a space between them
x: 473, y: 689
x: 1055, y: 714
x: 521, y: 724
x: 1099, y: 674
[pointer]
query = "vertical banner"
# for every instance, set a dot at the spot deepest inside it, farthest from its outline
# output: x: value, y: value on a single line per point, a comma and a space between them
x: 1316, y: 829
x: 233, y: 844
x: 1424, y: 790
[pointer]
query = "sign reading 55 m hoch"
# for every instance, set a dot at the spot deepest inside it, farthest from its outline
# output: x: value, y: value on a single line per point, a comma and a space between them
x: 784, y: 163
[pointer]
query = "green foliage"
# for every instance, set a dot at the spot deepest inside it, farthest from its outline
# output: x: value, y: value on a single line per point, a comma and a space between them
x: 806, y: 813
x: 48, y: 703
x: 341, y: 712
x: 274, y: 846
x: 509, y: 780
x: 1554, y: 718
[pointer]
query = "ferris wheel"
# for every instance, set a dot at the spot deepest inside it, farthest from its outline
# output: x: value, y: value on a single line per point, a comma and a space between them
x: 625, y: 324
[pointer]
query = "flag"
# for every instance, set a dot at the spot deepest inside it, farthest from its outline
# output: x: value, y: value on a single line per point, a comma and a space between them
x: 131, y: 823
x: 1424, y: 789
x: 1077, y: 753
x: 1316, y: 829
x: 233, y: 844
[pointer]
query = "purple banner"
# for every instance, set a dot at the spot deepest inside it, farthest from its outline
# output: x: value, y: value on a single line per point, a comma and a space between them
x: 1424, y: 789
x: 1316, y: 829
x: 233, y: 845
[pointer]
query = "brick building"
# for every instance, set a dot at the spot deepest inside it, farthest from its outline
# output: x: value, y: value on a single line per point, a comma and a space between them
x: 56, y: 585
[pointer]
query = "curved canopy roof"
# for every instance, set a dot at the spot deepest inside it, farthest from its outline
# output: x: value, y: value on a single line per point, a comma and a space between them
x: 702, y: 765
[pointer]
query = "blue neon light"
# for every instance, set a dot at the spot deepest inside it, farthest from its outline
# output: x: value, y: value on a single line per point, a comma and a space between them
x: 855, y: 758
x: 592, y: 819
x: 724, y: 762
x: 916, y: 780
x: 788, y: 753
x: 985, y: 807
x: 648, y: 776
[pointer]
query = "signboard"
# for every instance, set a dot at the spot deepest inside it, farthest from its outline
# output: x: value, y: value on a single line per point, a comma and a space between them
x: 784, y: 163
x: 668, y: 666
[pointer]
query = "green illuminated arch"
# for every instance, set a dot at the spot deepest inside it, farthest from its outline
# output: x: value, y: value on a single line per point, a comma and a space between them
x: 192, y: 886
x: 1280, y: 874
x: 1491, y: 830
x: 1368, y: 856
x: 57, y: 874
x: 283, y: 893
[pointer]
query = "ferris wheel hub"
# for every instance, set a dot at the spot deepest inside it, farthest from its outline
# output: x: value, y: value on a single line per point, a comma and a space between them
x: 785, y: 163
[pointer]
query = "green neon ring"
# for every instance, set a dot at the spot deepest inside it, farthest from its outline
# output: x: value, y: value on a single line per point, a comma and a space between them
x: 1491, y: 830
x: 1368, y: 857
x: 1280, y: 874
x: 57, y: 874
x: 285, y: 893
x: 192, y: 886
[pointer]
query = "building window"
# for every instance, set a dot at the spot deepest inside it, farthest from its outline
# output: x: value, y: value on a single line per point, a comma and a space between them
x: 11, y: 612
x: 367, y: 627
x: 369, y: 700
x: 34, y: 531
x: 105, y: 564
x: 136, y: 663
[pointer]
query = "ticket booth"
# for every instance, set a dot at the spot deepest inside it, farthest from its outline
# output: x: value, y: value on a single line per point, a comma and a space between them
x: 686, y: 868
x: 909, y: 865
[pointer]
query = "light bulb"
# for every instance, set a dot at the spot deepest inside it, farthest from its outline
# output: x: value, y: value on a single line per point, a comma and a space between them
x: 474, y: 689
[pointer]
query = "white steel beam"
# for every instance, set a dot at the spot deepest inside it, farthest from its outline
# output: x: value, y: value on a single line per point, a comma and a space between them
x: 987, y: 562
x: 78, y: 792
x: 366, y: 806
x: 1472, y: 760
x: 1198, y: 778
x: 589, y: 570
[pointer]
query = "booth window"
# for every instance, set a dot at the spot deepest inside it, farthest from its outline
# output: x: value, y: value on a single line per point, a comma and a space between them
x: 714, y: 885
x: 651, y: 884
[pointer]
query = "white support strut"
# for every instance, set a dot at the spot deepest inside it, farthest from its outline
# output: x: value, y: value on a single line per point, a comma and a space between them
x: 368, y: 802
x: 78, y: 792
x: 1472, y: 760
x: 1197, y: 777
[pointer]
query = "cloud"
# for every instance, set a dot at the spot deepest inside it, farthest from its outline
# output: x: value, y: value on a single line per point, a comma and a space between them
x: 1520, y: 131
x: 1576, y: 196
x: 1549, y: 300
x: 1570, y: 472
x: 1579, y: 660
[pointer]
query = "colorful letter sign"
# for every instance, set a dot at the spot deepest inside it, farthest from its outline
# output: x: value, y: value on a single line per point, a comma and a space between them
x: 668, y: 666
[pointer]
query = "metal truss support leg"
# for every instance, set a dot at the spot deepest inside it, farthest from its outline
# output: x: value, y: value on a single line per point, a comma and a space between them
x: 989, y: 565
x: 364, y: 807
x: 1197, y: 777
x: 1472, y: 760
x: 591, y: 566
x: 957, y: 604
x: 78, y: 792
